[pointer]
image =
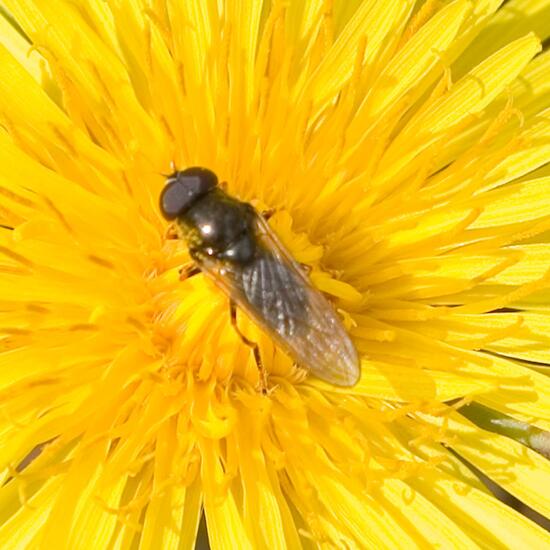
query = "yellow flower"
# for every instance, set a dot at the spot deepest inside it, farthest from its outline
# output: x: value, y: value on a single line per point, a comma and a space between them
x: 404, y: 146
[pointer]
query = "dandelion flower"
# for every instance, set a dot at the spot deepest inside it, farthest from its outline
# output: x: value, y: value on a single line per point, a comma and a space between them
x: 404, y: 148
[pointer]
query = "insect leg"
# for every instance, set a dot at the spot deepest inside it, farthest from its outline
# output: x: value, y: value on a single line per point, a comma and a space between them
x: 171, y: 233
x: 253, y: 345
x: 188, y: 271
x: 266, y: 214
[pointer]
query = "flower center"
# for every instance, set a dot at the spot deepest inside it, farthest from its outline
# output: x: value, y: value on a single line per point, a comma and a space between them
x: 194, y: 330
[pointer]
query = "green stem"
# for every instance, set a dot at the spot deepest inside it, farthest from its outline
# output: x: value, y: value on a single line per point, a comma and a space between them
x: 493, y: 421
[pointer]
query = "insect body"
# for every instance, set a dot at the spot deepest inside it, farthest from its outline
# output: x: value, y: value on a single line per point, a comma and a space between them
x: 233, y: 245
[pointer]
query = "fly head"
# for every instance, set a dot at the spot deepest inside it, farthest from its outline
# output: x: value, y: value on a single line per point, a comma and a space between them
x: 184, y: 188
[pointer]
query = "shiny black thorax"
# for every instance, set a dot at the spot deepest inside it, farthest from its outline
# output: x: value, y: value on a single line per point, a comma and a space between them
x: 220, y: 227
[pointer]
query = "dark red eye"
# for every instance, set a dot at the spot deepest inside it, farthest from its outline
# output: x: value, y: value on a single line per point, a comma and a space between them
x: 184, y: 188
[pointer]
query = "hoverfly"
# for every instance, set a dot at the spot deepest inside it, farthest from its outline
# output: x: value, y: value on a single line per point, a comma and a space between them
x: 231, y: 243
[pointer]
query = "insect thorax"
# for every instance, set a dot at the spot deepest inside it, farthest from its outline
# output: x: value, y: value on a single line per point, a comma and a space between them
x: 219, y: 227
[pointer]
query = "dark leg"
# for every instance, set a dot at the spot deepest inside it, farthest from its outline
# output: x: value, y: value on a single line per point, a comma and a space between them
x: 188, y: 271
x: 266, y: 214
x: 171, y: 233
x: 252, y: 345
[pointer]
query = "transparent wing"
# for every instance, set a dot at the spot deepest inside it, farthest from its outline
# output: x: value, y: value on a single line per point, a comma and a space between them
x: 276, y: 294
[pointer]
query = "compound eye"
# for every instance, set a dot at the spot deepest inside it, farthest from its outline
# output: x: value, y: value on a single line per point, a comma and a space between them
x: 183, y: 189
x: 207, y: 178
x: 174, y: 200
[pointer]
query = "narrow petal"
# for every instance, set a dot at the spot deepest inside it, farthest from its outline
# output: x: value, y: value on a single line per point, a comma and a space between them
x: 225, y: 524
x: 513, y: 20
x: 396, y: 383
x: 489, y: 522
x: 373, y: 20
x: 433, y: 526
x: 521, y: 471
x: 413, y: 63
x: 517, y: 202
x: 172, y: 519
x: 25, y: 528
x: 468, y: 96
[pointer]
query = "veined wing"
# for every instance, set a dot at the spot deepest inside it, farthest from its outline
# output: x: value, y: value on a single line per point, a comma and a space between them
x: 275, y: 293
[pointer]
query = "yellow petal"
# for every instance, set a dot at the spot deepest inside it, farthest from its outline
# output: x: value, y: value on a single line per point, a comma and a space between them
x: 38, y: 112
x: 359, y: 517
x: 93, y: 524
x: 478, y: 88
x: 516, y: 202
x: 73, y: 46
x: 530, y: 90
x: 266, y: 512
x: 434, y: 527
x: 516, y: 107
x: 469, y: 95
x: 225, y: 525
x: 522, y: 472
x: 24, y: 529
x: 20, y: 48
x: 515, y: 265
x: 535, y: 153
x: 482, y: 516
x: 396, y: 383
x: 523, y: 392
x: 413, y: 62
x: 172, y: 519
x: 513, y: 20
x: 531, y: 344
x: 372, y: 19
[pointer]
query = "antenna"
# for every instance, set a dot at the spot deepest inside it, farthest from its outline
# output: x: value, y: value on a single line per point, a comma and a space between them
x: 172, y: 168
